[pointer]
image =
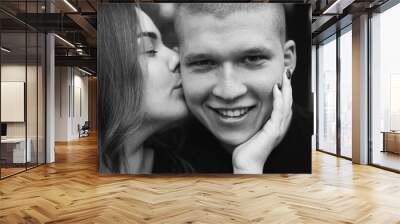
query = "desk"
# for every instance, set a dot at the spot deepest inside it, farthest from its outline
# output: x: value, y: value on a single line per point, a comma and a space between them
x: 13, y: 150
x: 391, y: 141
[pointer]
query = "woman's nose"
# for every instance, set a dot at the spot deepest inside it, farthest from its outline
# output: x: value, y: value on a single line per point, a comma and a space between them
x: 173, y: 63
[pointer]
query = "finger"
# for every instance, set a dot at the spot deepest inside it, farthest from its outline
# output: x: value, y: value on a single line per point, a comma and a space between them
x: 287, y: 92
x: 277, y: 109
x: 287, y: 101
x: 259, y: 146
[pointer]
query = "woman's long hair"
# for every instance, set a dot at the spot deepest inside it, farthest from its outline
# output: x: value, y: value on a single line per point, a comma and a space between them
x: 120, y: 82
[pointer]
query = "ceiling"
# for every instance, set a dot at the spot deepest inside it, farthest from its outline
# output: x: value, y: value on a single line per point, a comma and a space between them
x: 75, y: 21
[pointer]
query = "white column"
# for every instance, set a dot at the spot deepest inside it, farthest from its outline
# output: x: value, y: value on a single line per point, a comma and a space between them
x: 360, y: 90
x: 50, y: 93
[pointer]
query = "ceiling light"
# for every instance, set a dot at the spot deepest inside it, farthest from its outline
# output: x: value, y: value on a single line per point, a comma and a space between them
x: 5, y: 50
x: 65, y: 41
x: 337, y: 7
x: 84, y: 71
x: 70, y: 5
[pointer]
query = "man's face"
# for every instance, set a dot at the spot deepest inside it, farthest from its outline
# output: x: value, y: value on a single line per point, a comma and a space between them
x: 229, y: 67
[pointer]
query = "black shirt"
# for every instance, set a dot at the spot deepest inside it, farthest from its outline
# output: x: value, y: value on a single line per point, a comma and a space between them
x: 166, y: 161
x: 293, y: 155
x: 166, y: 145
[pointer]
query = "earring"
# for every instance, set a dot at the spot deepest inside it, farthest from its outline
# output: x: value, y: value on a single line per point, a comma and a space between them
x: 288, y: 74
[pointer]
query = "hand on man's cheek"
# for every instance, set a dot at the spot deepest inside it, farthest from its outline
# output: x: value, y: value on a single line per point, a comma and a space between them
x: 250, y: 157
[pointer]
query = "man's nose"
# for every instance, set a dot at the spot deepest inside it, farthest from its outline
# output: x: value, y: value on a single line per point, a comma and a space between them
x: 229, y: 86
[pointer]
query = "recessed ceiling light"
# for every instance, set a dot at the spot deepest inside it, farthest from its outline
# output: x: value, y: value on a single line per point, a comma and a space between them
x: 338, y: 6
x: 84, y: 71
x: 70, y: 5
x: 5, y: 50
x: 64, y: 40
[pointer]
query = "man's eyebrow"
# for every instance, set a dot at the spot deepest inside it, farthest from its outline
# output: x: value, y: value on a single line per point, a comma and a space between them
x: 255, y: 50
x: 237, y: 52
x: 147, y: 34
x: 196, y: 56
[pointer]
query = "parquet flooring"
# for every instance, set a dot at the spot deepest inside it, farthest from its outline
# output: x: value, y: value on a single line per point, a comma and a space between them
x: 71, y: 191
x: 10, y: 171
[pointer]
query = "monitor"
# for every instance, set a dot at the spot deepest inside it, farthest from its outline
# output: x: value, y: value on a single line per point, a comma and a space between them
x: 3, y: 129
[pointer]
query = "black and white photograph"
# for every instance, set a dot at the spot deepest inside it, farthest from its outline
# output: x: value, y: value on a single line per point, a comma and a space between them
x: 204, y: 88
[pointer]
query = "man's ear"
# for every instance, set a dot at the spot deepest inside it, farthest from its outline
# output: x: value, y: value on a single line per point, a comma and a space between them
x: 289, y: 51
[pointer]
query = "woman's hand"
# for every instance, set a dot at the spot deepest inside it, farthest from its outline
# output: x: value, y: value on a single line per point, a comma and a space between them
x: 250, y: 157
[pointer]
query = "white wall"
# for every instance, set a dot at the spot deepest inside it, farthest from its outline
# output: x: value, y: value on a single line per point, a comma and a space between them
x: 13, y: 72
x: 17, y: 73
x: 70, y: 83
x: 79, y: 112
x: 62, y: 81
x: 12, y: 101
x: 9, y: 73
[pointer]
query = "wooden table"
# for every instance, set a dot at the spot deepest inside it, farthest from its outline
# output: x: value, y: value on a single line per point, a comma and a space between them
x: 391, y: 141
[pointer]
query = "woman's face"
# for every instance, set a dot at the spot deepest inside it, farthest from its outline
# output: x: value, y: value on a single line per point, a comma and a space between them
x: 163, y: 100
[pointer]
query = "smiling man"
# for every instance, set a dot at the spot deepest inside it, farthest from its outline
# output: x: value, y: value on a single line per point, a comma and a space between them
x: 232, y: 57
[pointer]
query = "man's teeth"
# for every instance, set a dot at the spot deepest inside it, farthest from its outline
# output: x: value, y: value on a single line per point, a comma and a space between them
x: 232, y: 112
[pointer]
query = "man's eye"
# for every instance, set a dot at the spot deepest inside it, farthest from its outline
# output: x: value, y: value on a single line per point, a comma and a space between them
x: 151, y: 53
x: 254, y: 60
x: 202, y: 64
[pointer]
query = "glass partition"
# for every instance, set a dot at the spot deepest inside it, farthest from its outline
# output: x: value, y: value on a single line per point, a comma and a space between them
x: 22, y: 89
x: 327, y: 95
x: 14, y: 153
x: 31, y: 84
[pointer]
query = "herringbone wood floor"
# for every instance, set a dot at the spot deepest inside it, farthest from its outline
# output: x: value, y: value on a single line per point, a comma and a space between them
x: 71, y: 191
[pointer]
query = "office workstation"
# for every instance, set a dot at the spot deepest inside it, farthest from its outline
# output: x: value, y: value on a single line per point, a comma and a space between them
x: 15, y: 146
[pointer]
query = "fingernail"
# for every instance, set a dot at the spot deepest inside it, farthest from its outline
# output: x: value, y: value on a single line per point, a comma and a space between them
x: 288, y: 74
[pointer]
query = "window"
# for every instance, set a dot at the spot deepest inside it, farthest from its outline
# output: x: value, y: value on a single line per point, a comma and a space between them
x: 346, y: 92
x: 385, y: 88
x: 327, y: 95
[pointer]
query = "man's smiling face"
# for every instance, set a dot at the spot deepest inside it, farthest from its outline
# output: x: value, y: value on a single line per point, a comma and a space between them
x: 229, y: 67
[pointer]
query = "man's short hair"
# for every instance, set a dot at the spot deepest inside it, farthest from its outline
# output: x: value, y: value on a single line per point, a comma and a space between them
x: 222, y: 10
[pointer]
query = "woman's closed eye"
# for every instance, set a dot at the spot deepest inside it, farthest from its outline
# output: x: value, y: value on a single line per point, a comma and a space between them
x: 151, y: 53
x: 149, y: 47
